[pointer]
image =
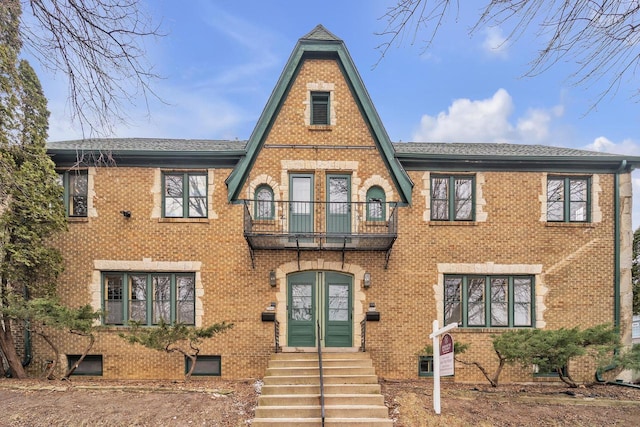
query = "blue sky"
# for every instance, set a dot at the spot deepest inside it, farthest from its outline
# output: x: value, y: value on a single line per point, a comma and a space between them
x: 220, y: 61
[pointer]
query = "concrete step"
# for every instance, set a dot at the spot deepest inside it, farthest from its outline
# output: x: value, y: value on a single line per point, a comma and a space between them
x: 333, y: 422
x: 290, y: 395
x: 315, y: 379
x: 314, y: 399
x: 325, y: 356
x: 279, y: 363
x: 327, y: 370
x: 331, y: 411
x: 288, y: 389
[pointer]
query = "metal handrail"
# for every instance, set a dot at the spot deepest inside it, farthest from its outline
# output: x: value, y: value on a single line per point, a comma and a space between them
x: 282, y: 218
x: 363, y: 335
x: 276, y: 333
x: 321, y: 375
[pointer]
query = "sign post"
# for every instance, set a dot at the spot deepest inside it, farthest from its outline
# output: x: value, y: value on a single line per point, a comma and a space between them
x: 435, y: 336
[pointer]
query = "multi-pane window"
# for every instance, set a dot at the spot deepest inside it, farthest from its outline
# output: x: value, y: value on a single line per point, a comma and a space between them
x: 375, y: 204
x: 568, y: 199
x: 489, y: 301
x: 185, y: 195
x: 320, y: 108
x: 147, y: 298
x: 452, y: 198
x: 264, y: 207
x: 76, y: 187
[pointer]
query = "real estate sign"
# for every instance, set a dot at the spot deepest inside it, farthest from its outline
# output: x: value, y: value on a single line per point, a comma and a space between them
x: 446, y: 355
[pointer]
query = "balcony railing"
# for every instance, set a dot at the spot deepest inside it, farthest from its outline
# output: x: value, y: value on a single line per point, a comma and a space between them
x: 341, y: 226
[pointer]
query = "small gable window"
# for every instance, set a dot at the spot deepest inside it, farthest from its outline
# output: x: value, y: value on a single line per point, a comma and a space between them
x: 264, y: 202
x: 375, y: 204
x: 320, y: 108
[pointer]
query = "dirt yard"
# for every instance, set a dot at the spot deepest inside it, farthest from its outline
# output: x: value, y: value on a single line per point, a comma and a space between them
x: 232, y: 403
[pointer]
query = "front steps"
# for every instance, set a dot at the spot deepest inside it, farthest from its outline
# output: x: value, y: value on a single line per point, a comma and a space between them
x: 291, y: 392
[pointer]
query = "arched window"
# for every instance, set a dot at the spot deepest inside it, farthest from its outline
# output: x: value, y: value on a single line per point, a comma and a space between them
x: 376, y: 204
x: 264, y: 202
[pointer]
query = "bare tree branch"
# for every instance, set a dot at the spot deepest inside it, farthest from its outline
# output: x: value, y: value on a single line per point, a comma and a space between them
x: 600, y: 37
x: 100, y: 46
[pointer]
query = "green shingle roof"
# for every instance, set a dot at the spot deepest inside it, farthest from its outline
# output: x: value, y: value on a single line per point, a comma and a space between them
x: 148, y: 144
x: 320, y: 33
x: 481, y: 149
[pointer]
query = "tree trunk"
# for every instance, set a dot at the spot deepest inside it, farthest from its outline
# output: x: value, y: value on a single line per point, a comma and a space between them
x: 8, y: 347
x: 492, y: 380
x: 194, y: 359
x: 72, y: 369
x: 567, y: 378
x: 3, y: 373
x: 51, y: 368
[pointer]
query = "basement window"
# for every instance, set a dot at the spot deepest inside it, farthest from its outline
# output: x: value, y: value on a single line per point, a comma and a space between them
x: 425, y: 366
x: 91, y: 364
x: 205, y: 366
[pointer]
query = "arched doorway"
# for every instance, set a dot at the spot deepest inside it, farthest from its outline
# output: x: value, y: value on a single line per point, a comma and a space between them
x: 324, y: 298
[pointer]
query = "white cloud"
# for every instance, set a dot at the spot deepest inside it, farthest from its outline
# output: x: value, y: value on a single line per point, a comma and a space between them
x: 605, y: 145
x: 629, y: 147
x: 495, y: 43
x: 487, y: 120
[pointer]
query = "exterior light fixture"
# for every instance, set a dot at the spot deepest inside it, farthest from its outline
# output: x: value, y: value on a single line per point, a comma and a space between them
x: 367, y: 280
x: 272, y: 278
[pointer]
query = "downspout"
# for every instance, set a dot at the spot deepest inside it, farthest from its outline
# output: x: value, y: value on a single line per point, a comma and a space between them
x: 616, y: 245
x: 26, y: 361
x: 616, y: 262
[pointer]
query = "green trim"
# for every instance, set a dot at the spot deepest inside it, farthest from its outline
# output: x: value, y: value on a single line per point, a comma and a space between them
x: 616, y: 244
x: 143, y: 158
x: 451, y: 199
x: 257, y: 203
x: 65, y: 180
x: 186, y: 193
x: 486, y: 300
x: 125, y: 295
x: 375, y: 194
x: 329, y: 49
x: 523, y: 163
x: 318, y: 99
x: 429, y: 362
x: 566, y: 197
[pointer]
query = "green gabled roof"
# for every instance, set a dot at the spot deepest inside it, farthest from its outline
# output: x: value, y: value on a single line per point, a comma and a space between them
x: 320, y: 43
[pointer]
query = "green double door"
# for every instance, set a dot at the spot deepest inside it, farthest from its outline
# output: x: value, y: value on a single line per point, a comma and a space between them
x: 320, y: 297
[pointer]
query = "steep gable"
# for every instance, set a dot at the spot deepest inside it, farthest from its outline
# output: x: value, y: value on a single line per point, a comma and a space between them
x: 320, y: 44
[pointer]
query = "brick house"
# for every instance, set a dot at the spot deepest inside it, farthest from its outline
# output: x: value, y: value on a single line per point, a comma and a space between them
x: 319, y: 226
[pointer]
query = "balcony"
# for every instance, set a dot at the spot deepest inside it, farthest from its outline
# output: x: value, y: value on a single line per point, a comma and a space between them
x: 323, y: 226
